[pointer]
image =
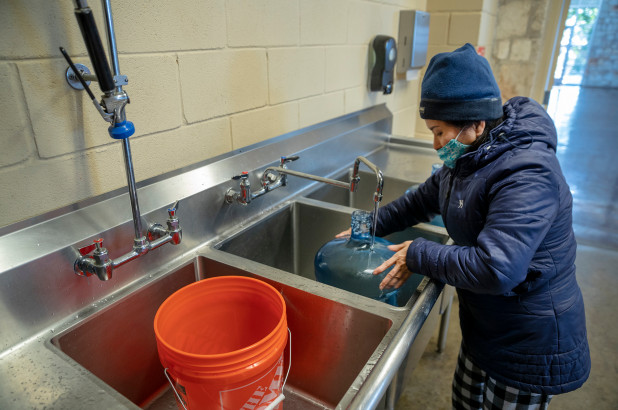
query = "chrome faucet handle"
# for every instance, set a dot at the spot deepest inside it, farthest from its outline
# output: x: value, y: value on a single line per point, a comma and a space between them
x: 156, y: 231
x: 172, y: 210
x: 173, y: 224
x: 285, y: 160
x: 96, y: 244
x: 98, y: 263
x: 244, y: 196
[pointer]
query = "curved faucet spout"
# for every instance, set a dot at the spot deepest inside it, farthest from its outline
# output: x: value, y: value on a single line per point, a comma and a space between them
x: 377, y: 196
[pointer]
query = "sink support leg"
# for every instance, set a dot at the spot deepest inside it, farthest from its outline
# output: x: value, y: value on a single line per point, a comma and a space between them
x: 444, y: 321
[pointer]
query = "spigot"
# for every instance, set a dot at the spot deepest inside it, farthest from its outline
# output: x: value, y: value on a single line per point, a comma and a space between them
x: 174, y: 230
x: 173, y: 224
x: 244, y: 196
x: 283, y: 162
x: 354, y: 179
x: 98, y: 263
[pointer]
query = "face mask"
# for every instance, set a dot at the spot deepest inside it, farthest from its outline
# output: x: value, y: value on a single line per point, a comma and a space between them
x: 452, y: 151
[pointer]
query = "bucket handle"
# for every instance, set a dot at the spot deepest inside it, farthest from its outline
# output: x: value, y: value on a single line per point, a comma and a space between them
x: 271, y: 406
x: 180, y: 400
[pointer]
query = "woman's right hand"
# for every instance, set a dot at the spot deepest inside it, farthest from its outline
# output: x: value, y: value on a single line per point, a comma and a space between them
x: 345, y: 233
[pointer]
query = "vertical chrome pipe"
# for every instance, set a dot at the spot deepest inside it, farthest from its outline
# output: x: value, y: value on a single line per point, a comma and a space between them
x: 126, y: 147
x: 128, y: 164
x: 111, y: 36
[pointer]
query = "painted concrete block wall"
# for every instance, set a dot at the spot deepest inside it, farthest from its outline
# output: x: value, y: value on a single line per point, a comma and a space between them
x: 205, y: 77
x: 454, y: 23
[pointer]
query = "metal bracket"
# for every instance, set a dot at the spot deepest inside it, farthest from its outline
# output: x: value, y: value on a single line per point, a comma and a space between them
x: 72, y: 77
x: 119, y: 80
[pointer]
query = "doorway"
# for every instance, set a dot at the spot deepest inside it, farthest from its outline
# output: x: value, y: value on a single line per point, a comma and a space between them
x: 575, y: 43
x: 572, y: 58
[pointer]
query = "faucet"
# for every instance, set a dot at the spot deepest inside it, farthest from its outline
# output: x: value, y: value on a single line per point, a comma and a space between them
x: 275, y: 177
x: 94, y: 258
x: 269, y: 181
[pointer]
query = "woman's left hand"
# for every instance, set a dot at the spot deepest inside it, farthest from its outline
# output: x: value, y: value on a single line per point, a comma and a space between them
x: 400, y: 273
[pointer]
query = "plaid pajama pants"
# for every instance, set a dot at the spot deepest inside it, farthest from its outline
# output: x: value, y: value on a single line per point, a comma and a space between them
x: 474, y: 390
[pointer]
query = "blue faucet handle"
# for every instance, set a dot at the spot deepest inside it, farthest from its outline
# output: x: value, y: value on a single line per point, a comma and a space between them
x: 121, y: 130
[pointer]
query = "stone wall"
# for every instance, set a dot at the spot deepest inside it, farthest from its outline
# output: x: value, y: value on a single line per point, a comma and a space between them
x: 602, y: 67
x: 517, y: 44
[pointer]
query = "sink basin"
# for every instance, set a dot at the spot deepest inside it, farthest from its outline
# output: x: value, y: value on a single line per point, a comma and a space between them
x: 331, y: 342
x: 289, y: 238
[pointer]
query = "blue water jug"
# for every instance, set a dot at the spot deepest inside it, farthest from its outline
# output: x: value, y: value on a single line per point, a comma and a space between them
x: 348, y: 263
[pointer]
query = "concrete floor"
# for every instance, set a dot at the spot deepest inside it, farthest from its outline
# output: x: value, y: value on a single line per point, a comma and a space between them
x: 587, y: 123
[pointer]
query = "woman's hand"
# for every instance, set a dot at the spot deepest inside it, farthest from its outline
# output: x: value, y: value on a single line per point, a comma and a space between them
x: 345, y: 233
x: 400, y: 273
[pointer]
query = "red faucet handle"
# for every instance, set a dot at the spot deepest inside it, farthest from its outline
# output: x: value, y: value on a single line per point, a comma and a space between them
x: 89, y: 248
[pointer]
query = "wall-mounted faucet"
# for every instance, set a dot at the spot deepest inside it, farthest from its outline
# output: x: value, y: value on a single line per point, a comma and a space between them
x: 94, y: 259
x: 275, y: 177
x: 268, y: 182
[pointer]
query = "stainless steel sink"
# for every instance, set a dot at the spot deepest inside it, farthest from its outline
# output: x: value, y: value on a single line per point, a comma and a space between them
x: 68, y: 342
x: 332, y: 343
x: 289, y: 238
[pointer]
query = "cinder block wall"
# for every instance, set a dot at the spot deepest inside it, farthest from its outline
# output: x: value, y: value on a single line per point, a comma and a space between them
x: 205, y: 77
x: 454, y: 23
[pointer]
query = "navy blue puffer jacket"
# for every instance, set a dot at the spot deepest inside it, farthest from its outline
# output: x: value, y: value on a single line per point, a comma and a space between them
x: 508, y: 208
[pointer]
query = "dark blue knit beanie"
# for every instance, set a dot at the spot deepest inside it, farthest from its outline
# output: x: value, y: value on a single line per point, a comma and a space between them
x: 460, y: 86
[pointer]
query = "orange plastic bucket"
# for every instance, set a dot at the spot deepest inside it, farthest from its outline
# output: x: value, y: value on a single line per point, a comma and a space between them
x: 222, y: 341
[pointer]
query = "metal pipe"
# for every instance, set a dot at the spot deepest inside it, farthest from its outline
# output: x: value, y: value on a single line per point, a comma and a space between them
x: 376, y: 170
x: 378, y: 380
x: 377, y: 196
x: 128, y: 164
x: 330, y: 181
x: 111, y: 36
x: 444, y: 322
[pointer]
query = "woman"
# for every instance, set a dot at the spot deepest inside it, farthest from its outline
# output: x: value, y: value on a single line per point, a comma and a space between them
x: 507, y: 206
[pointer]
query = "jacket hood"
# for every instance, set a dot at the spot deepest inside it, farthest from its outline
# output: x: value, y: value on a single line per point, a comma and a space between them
x: 526, y: 122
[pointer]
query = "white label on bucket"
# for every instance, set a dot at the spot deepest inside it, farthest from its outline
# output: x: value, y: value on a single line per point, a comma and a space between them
x: 260, y: 396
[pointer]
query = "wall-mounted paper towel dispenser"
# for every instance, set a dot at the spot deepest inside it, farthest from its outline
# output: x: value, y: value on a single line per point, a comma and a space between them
x: 413, y: 40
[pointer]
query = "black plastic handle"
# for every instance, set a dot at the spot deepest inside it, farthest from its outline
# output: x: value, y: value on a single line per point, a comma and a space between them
x: 243, y: 175
x: 88, y: 27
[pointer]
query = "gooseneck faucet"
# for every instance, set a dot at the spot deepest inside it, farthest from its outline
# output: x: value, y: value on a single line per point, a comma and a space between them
x: 94, y: 258
x: 275, y: 177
